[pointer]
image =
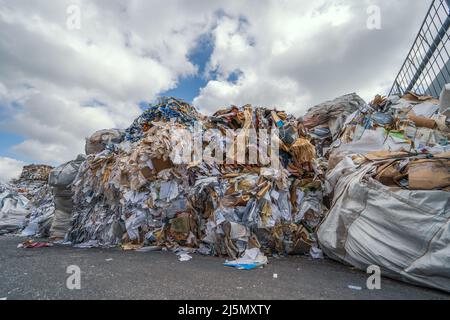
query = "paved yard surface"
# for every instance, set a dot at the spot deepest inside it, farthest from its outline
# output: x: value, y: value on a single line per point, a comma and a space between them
x: 41, y: 274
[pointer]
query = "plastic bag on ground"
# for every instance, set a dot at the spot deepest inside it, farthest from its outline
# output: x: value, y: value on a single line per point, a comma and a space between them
x: 252, y: 258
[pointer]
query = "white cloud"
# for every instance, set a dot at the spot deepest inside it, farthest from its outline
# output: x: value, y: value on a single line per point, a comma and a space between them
x: 57, y: 86
x: 283, y: 93
x: 296, y: 54
x: 10, y: 169
x: 74, y: 82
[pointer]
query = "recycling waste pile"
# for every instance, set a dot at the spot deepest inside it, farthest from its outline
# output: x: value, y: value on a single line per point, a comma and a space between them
x: 142, y: 193
x: 362, y: 183
x: 389, y: 170
x: 26, y: 204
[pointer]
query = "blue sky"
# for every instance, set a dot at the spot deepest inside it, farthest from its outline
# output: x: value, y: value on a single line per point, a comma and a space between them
x: 189, y: 87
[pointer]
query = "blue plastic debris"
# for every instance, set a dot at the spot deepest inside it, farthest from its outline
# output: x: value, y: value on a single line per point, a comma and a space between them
x: 242, y: 266
x: 166, y: 109
x: 252, y: 259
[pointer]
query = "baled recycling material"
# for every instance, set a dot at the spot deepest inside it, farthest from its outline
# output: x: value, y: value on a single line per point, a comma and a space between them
x: 26, y: 203
x: 325, y: 121
x: 13, y: 210
x: 391, y: 180
x: 367, y: 183
x: 141, y: 192
x: 60, y: 179
x: 404, y: 232
x: 101, y: 139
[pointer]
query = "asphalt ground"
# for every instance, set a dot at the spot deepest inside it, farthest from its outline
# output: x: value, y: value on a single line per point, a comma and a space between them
x: 117, y: 274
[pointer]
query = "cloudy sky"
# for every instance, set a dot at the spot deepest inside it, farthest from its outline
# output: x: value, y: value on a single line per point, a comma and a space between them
x: 62, y: 78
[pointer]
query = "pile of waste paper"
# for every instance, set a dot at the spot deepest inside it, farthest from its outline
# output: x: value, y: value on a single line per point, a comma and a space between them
x: 325, y: 121
x: 12, y: 209
x: 26, y: 203
x: 35, y: 173
x: 60, y: 180
x: 412, y: 124
x: 167, y: 109
x: 144, y: 191
x: 389, y: 172
x: 367, y: 183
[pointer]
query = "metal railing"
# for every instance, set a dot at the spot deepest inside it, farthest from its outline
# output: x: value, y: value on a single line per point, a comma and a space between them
x: 427, y: 67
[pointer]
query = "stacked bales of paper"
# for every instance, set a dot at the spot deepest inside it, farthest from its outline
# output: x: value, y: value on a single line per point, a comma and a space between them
x: 60, y: 179
x: 391, y: 179
x: 26, y: 201
x: 143, y: 191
